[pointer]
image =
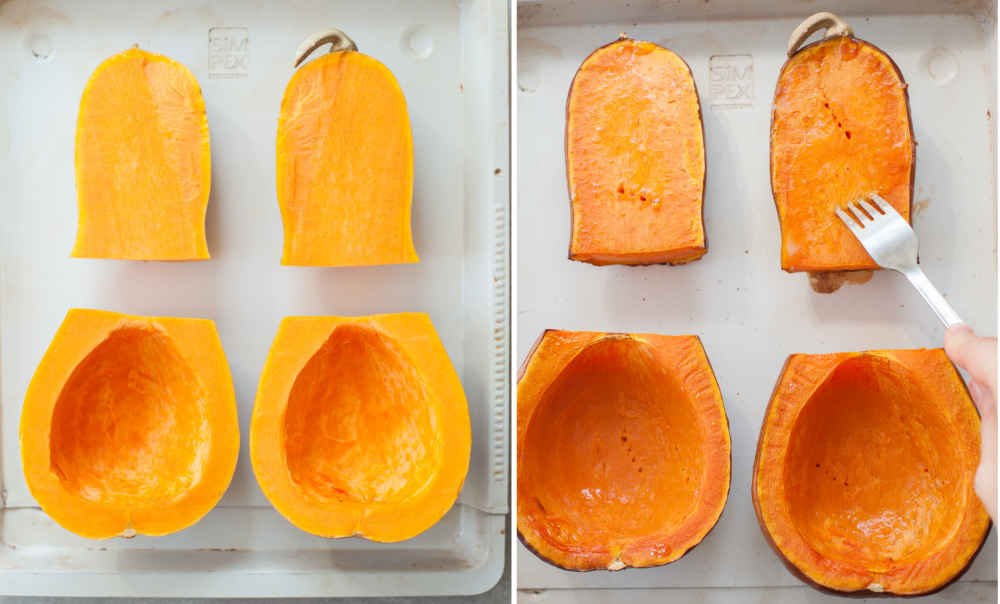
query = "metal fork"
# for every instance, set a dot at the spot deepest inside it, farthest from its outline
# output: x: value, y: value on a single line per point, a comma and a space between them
x: 892, y: 244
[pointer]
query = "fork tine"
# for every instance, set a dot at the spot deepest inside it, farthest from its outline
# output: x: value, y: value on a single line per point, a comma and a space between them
x: 859, y: 213
x: 848, y: 221
x: 883, y: 205
x: 870, y: 208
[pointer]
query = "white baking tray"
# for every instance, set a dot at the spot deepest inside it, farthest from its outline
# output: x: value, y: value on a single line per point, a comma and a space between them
x: 749, y: 313
x: 451, y: 60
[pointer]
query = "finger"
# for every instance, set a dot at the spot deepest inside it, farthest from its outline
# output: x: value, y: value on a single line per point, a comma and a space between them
x: 985, y: 402
x: 985, y: 481
x: 976, y: 355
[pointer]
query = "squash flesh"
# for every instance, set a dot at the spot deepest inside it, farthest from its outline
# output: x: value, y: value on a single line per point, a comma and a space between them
x: 868, y: 477
x: 143, y: 165
x: 623, y: 449
x: 129, y: 424
x: 345, y: 164
x: 129, y: 428
x: 840, y: 130
x: 614, y: 450
x: 389, y: 448
x: 635, y: 157
x: 899, y: 433
x: 359, y: 425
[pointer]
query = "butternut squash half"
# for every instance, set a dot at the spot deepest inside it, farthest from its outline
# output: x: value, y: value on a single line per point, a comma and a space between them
x: 344, y: 160
x: 129, y: 424
x: 863, y: 479
x: 360, y: 427
x: 143, y: 165
x: 840, y: 129
x: 635, y: 157
x: 623, y: 449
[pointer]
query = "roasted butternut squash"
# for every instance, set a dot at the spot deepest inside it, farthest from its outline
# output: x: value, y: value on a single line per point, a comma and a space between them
x: 344, y: 160
x: 840, y: 129
x: 143, y: 166
x: 863, y: 478
x: 129, y: 424
x: 635, y: 157
x: 623, y: 449
x: 360, y: 427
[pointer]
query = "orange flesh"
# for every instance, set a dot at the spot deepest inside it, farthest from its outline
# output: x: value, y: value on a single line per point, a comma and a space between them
x: 635, y: 157
x: 840, y: 130
x: 613, y: 453
x: 129, y: 429
x: 359, y: 425
x: 870, y: 474
x: 143, y: 168
x: 863, y: 477
x: 345, y: 164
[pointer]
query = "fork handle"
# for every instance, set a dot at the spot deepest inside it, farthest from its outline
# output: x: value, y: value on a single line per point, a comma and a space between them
x: 937, y: 302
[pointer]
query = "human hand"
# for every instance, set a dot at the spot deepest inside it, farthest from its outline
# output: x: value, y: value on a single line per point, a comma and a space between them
x: 978, y: 357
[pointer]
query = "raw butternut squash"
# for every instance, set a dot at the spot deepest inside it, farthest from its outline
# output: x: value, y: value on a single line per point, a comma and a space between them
x: 623, y: 449
x: 635, y: 157
x: 840, y: 129
x: 360, y: 427
x: 863, y: 479
x: 344, y: 160
x: 129, y: 424
x: 143, y: 166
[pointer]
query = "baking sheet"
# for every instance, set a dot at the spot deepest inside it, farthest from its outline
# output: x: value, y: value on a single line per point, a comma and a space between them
x: 451, y: 61
x: 749, y: 314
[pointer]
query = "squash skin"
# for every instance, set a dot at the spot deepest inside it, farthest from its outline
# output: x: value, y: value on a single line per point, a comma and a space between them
x: 842, y: 251
x: 298, y: 341
x: 345, y: 192
x: 552, y: 354
x: 82, y: 332
x: 676, y: 246
x: 157, y: 211
x: 805, y: 375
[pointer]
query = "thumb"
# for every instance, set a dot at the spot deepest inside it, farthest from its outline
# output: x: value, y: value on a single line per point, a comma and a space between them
x: 985, y: 402
x: 976, y: 355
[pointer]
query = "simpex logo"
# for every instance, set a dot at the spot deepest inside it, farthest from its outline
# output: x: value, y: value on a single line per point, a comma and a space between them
x: 731, y: 81
x: 228, y: 52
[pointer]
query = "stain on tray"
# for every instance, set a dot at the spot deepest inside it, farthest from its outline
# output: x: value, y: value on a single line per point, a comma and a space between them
x: 919, y: 207
x: 830, y: 281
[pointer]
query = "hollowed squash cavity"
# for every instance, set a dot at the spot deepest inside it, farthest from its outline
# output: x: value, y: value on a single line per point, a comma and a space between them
x: 864, y: 471
x: 360, y: 426
x: 623, y: 449
x: 129, y: 424
x: 123, y: 424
